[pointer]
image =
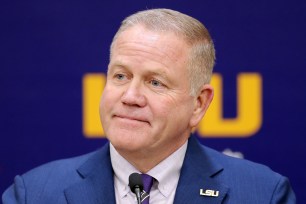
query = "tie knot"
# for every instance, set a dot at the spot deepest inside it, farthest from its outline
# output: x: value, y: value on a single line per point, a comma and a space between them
x: 147, y: 182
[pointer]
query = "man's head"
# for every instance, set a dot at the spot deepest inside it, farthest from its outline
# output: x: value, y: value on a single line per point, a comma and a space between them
x: 147, y: 108
x: 201, y: 57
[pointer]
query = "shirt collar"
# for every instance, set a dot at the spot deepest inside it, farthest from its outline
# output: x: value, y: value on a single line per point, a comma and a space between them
x: 167, y: 172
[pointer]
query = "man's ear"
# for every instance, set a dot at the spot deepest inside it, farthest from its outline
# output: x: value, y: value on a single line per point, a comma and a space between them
x: 201, y: 104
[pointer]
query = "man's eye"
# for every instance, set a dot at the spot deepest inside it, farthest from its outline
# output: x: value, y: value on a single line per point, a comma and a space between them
x: 120, y: 76
x: 156, y: 83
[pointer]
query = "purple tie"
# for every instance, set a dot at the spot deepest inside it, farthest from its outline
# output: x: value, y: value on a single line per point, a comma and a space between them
x: 147, y: 184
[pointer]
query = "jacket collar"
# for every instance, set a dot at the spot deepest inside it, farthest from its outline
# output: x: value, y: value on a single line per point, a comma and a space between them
x: 198, y: 180
x: 97, y: 184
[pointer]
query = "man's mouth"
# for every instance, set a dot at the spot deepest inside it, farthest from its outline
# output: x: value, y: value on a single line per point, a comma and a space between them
x: 131, y: 118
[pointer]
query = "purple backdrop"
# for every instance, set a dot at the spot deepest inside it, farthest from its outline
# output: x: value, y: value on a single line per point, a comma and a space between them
x: 46, y: 47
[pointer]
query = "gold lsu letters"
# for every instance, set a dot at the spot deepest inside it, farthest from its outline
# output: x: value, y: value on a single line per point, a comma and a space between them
x: 246, y: 124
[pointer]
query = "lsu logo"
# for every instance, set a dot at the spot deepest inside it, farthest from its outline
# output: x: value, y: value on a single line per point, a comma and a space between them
x: 210, y: 193
x: 247, y: 122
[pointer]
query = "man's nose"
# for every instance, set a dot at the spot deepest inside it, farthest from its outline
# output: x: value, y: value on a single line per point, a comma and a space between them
x: 133, y: 95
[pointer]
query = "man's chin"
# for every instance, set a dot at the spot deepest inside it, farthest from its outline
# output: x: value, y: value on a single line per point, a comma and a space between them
x: 128, y: 134
x: 127, y: 140
x: 125, y: 149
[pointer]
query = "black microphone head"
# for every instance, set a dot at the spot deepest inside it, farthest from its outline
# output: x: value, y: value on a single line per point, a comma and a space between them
x: 135, y: 181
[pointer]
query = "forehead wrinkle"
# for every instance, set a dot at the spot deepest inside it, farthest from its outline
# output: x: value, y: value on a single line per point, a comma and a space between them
x: 173, y: 46
x: 160, y: 54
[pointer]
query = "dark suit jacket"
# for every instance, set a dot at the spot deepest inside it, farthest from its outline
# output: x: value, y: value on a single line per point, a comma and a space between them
x: 88, y: 179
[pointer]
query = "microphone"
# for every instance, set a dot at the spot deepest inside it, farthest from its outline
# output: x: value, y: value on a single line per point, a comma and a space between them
x: 136, y: 185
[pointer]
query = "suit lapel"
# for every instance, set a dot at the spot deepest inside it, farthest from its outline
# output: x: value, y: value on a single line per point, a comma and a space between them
x: 97, y: 185
x: 198, y: 172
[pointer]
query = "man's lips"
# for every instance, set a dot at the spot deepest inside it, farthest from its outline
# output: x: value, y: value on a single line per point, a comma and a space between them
x: 127, y: 117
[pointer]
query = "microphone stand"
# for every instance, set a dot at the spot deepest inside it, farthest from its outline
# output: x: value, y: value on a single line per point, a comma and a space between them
x: 138, y: 196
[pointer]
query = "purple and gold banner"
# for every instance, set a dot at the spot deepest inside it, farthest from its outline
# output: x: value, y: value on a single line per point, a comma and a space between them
x: 54, y: 56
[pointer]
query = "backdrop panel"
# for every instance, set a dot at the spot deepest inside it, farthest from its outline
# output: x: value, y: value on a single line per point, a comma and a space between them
x: 53, y: 51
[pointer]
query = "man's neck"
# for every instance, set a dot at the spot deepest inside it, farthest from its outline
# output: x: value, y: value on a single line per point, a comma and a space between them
x: 145, y: 160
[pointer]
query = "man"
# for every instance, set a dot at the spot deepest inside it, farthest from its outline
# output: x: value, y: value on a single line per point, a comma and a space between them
x: 157, y: 92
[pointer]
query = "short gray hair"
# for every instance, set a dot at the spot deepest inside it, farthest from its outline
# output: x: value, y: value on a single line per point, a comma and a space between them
x: 202, y: 52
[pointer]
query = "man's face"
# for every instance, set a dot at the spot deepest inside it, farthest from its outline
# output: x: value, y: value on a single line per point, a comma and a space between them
x: 146, y: 105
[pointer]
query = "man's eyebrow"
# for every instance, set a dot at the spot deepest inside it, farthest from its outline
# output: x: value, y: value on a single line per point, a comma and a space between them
x: 157, y: 72
x: 116, y: 65
x: 117, y: 62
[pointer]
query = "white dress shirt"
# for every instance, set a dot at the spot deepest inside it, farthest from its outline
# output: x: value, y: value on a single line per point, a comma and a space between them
x: 166, y: 173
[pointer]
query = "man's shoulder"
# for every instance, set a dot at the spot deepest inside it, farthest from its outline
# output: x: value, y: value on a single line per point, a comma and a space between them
x: 226, y: 168
x: 48, y: 182
x: 238, y: 180
x: 62, y: 167
x: 55, y: 175
x: 239, y: 166
x: 242, y: 175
